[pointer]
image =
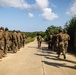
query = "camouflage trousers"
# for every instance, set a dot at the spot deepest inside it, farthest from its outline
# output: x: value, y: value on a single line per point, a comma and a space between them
x: 1, y: 54
x: 50, y: 45
x: 23, y: 43
x: 56, y: 47
x: 39, y: 44
x: 6, y: 46
x: 1, y: 48
x: 66, y: 45
x: 10, y: 46
x: 19, y: 45
x: 15, y: 46
x: 61, y: 50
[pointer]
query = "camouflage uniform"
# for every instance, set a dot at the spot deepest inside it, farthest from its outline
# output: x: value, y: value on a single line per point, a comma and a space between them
x: 1, y: 43
x: 50, y: 41
x: 10, y: 43
x: 14, y: 41
x: 55, y: 40
x: 6, y: 40
x: 61, y: 44
x: 66, y: 38
x: 19, y: 39
x: 39, y: 39
x: 24, y: 37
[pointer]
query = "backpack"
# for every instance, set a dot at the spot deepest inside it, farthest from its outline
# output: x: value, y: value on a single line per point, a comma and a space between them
x: 6, y: 35
x: 61, y: 37
x: 14, y: 36
x: 1, y: 35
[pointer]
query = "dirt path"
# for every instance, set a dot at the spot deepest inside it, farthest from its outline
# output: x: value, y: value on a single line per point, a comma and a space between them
x: 33, y: 61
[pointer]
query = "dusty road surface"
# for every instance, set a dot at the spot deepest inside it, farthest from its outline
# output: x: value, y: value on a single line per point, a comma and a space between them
x: 33, y: 61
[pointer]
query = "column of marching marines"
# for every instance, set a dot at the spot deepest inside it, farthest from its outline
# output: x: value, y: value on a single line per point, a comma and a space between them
x: 59, y: 42
x: 9, y: 41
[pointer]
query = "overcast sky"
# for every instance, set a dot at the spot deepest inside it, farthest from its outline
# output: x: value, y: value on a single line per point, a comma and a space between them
x: 35, y: 15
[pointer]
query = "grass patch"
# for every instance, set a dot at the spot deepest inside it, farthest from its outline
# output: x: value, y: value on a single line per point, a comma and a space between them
x: 29, y: 39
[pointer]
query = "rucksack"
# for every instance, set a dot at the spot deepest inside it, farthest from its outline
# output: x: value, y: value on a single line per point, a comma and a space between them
x: 61, y: 37
x: 1, y: 35
x: 6, y: 35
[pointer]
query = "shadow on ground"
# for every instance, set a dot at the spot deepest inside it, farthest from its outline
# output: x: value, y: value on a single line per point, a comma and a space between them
x: 10, y: 51
x: 59, y: 59
x: 41, y: 54
x: 48, y: 54
x: 32, y: 47
x: 58, y: 65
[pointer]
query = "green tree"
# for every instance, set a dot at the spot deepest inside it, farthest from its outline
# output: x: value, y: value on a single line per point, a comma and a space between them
x: 71, y: 28
x: 51, y: 29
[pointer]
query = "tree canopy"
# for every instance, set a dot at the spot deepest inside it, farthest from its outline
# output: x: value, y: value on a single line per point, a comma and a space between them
x: 71, y: 28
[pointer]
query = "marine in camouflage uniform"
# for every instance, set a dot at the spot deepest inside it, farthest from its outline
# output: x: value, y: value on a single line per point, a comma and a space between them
x: 61, y: 44
x: 19, y: 39
x: 39, y: 40
x: 10, y: 43
x: 24, y: 37
x: 50, y: 41
x: 55, y: 40
x: 1, y: 42
x: 66, y: 39
x: 6, y: 41
x: 14, y: 41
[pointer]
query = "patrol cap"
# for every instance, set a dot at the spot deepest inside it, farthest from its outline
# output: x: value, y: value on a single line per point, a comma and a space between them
x: 6, y: 29
x: 18, y: 31
x: 2, y: 28
x: 60, y: 30
x: 14, y: 30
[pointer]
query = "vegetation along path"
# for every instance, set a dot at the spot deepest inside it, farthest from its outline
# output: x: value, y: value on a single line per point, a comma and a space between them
x: 33, y: 61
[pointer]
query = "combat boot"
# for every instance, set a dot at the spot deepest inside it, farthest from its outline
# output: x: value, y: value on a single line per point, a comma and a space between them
x: 4, y: 55
x: 15, y: 51
x: 0, y: 57
x: 64, y: 57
